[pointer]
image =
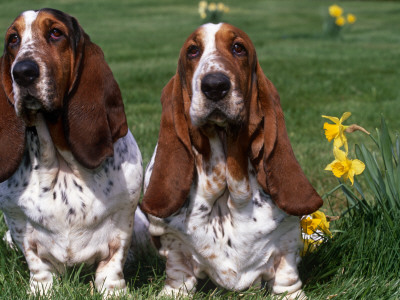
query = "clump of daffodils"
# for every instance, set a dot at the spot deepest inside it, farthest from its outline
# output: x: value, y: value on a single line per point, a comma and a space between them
x: 212, y: 12
x: 342, y: 166
x: 314, y: 231
x: 336, y: 20
x: 315, y: 227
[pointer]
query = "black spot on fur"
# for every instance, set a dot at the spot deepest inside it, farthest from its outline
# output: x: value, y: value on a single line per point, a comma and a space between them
x: 257, y: 203
x: 106, y: 191
x: 64, y: 197
x: 36, y: 167
x: 221, y: 228
x: 203, y: 208
x: 123, y: 149
x: 45, y: 189
x: 229, y: 243
x: 254, y: 219
x: 77, y: 185
x: 54, y: 195
x: 215, y: 231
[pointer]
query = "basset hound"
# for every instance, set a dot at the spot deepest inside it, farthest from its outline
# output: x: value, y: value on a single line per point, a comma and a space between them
x: 223, y: 190
x: 71, y: 171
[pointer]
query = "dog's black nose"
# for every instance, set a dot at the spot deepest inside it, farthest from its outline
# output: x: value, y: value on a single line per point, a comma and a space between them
x: 25, y: 72
x: 215, y: 86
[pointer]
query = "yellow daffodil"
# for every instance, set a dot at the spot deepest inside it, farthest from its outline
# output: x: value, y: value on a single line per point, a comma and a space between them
x: 202, y: 9
x: 315, y: 229
x: 344, y: 167
x: 335, y: 131
x: 351, y: 18
x: 335, y: 11
x: 340, y: 21
x: 316, y: 220
x: 212, y: 6
x: 220, y: 6
x: 203, y: 4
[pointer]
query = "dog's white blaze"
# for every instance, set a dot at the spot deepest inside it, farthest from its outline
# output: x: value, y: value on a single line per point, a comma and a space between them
x: 211, y: 62
x: 209, y: 30
x: 207, y: 62
x: 27, y: 36
x: 26, y: 44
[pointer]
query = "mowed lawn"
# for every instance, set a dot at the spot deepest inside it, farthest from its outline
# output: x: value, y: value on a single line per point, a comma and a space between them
x: 315, y: 75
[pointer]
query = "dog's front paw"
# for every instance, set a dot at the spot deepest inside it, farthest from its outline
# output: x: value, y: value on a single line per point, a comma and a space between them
x: 170, y: 292
x: 298, y: 295
x: 111, y: 288
x: 114, y: 294
x: 41, y: 288
x: 9, y: 241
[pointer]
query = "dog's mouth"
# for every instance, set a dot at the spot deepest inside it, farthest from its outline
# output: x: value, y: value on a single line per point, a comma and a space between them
x: 28, y: 107
x: 217, y: 118
x: 31, y: 103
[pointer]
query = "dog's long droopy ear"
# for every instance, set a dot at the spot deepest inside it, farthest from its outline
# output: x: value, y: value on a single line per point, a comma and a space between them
x: 173, y: 170
x: 12, y: 129
x: 94, y: 116
x: 278, y: 171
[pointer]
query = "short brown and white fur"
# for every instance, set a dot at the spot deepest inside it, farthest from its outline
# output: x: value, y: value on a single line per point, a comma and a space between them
x: 223, y: 190
x: 71, y: 171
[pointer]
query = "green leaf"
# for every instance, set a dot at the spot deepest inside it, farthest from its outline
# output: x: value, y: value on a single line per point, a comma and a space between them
x: 371, y: 172
x: 386, y: 147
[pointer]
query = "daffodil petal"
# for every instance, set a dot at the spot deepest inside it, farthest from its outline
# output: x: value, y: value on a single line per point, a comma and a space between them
x: 329, y: 167
x: 350, y: 176
x: 337, y: 142
x: 333, y: 119
x: 358, y: 166
x: 345, y: 116
x: 346, y: 146
x: 319, y: 215
x: 340, y: 155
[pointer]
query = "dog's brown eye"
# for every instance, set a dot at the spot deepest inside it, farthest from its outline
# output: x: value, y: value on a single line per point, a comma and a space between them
x: 13, y: 39
x: 55, y: 34
x: 193, y: 51
x: 238, y: 49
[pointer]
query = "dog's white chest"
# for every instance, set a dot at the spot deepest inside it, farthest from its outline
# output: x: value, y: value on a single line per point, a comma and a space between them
x: 231, y: 231
x: 233, y: 247
x: 71, y: 215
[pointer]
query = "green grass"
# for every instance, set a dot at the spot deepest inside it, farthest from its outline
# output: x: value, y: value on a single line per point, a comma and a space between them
x: 359, y: 72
